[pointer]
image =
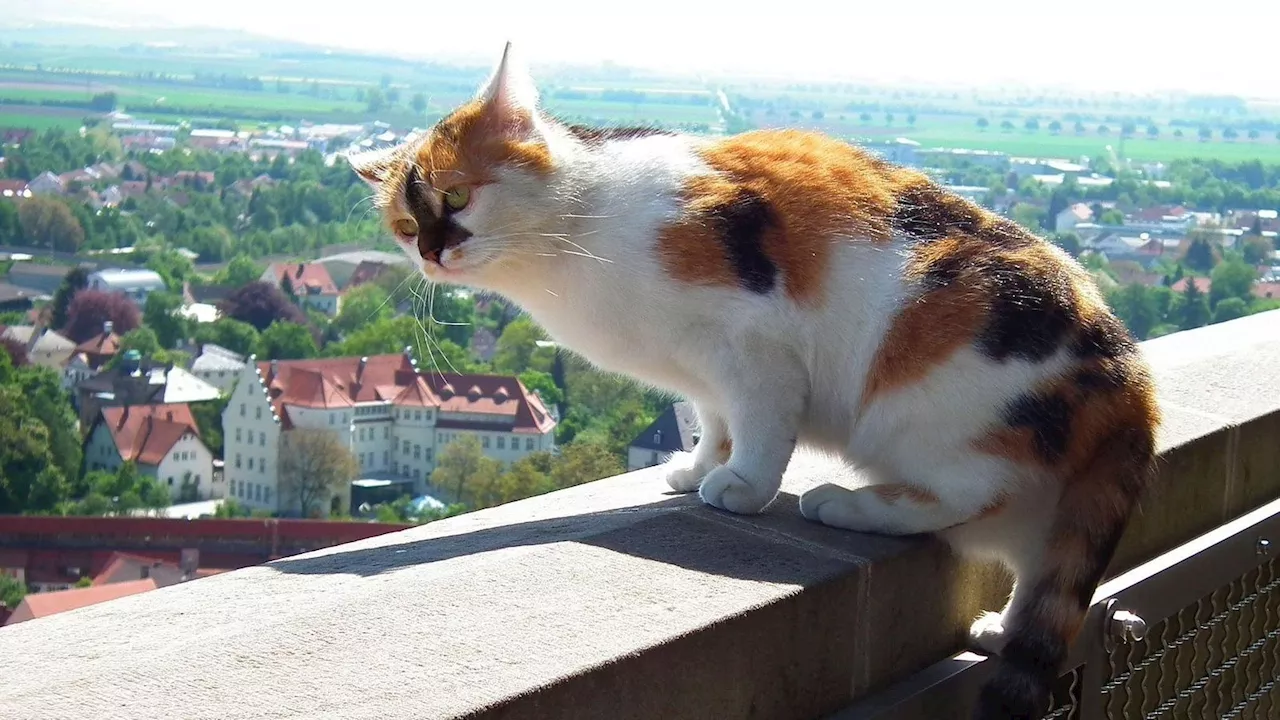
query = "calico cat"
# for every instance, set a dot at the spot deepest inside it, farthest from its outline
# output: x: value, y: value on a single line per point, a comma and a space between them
x: 798, y: 289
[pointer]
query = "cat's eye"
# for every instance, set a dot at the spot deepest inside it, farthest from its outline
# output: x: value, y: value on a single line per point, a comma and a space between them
x: 405, y: 227
x: 456, y: 198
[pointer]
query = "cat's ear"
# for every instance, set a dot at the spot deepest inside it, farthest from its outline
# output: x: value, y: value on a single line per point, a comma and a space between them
x: 373, y: 166
x: 510, y: 95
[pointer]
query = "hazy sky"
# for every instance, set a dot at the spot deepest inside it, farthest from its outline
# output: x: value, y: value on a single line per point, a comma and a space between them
x: 1127, y: 45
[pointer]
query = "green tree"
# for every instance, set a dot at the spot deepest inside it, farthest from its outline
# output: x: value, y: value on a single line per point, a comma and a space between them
x: 162, y: 314
x: 172, y: 267
x: 208, y: 416
x: 12, y: 591
x: 375, y: 99
x: 543, y: 384
x: 517, y: 350
x: 464, y: 471
x: 314, y: 466
x: 1137, y: 308
x: 1028, y: 216
x: 584, y: 461
x: 49, y: 223
x: 1230, y: 309
x: 419, y: 103
x: 75, y: 281
x: 50, y: 408
x: 1111, y: 216
x: 983, y: 123
x: 1257, y: 250
x: 1231, y: 278
x: 1195, y: 307
x: 1068, y: 241
x: 232, y: 334
x: 363, y: 306
x: 120, y: 493
x: 242, y: 270
x: 286, y: 341
x: 1200, y: 254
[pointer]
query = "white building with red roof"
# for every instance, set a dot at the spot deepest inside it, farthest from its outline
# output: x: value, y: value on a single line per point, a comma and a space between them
x: 163, y: 440
x: 311, y: 283
x: 395, y: 418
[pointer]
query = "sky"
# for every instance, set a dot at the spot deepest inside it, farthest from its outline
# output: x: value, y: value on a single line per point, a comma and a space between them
x: 1133, y: 46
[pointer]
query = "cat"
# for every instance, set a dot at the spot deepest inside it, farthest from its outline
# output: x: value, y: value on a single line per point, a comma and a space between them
x: 798, y: 289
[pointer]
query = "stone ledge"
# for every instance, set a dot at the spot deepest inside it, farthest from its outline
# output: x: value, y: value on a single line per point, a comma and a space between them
x: 615, y: 599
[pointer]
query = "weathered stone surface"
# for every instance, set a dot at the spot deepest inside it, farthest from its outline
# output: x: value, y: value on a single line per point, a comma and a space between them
x: 614, y: 599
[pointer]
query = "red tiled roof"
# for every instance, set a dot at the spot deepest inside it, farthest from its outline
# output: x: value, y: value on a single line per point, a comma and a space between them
x: 127, y: 567
x: 340, y: 383
x: 146, y: 433
x: 100, y: 344
x: 40, y: 605
x: 1202, y: 284
x: 365, y: 272
x: 305, y: 275
x: 13, y: 185
x: 1267, y: 290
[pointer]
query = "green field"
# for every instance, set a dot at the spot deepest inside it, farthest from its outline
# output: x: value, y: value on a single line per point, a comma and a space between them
x: 38, y: 118
x: 1068, y: 144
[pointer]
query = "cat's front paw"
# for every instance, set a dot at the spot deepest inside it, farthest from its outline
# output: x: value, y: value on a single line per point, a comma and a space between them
x: 986, y: 634
x: 683, y: 473
x: 727, y: 490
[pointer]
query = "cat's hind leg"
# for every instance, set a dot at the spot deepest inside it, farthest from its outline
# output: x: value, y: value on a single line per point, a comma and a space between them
x: 899, y: 507
x: 685, y: 470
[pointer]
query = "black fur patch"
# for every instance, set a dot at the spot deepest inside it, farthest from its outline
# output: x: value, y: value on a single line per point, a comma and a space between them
x: 1029, y: 317
x: 1104, y: 338
x: 599, y: 135
x: 1048, y: 417
x: 434, y: 233
x: 1102, y: 378
x: 927, y: 212
x: 742, y: 224
x: 942, y: 272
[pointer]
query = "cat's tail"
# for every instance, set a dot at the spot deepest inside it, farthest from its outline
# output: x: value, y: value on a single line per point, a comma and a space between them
x: 1093, y: 510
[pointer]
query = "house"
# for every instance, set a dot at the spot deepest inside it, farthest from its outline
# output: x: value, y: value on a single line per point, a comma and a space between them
x: 394, y: 419
x: 99, y: 349
x: 205, y: 294
x: 162, y: 440
x: 14, y: 189
x: 351, y: 268
x: 43, y: 279
x: 1203, y: 284
x: 13, y: 297
x: 129, y: 567
x: 365, y: 272
x: 46, y: 183
x: 310, y: 283
x: 675, y: 430
x: 38, y: 605
x: 1072, y: 216
x: 45, y: 348
x: 136, y: 283
x: 218, y: 366
x: 136, y: 381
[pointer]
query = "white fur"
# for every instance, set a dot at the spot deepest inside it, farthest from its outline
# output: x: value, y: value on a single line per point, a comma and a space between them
x: 577, y: 251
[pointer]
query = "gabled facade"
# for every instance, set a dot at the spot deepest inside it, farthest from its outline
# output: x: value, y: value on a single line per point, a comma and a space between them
x: 162, y: 440
x: 394, y: 419
x: 675, y: 430
x: 310, y: 283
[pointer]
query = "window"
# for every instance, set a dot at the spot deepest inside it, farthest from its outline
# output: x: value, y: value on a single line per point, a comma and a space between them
x: 332, y: 418
x: 484, y: 442
x: 417, y: 415
x: 237, y: 459
x: 405, y: 448
x: 241, y: 409
x: 385, y: 457
x: 266, y: 494
x: 262, y: 463
x: 386, y: 433
x: 242, y: 489
x: 257, y: 492
x: 361, y: 459
x: 428, y: 416
x: 395, y: 466
x: 361, y: 434
x: 417, y: 474
x: 653, y: 458
x: 197, y: 481
x: 429, y: 453
x: 262, y: 439
x: 528, y: 444
x: 417, y: 451
x: 344, y: 418
x: 250, y: 463
x: 237, y: 434
x: 502, y: 443
x: 171, y: 481
x: 257, y: 413
x: 175, y: 456
x: 397, y: 414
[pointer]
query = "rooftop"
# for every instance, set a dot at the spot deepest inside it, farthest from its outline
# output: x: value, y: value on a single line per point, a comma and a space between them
x: 41, y: 605
x: 146, y: 433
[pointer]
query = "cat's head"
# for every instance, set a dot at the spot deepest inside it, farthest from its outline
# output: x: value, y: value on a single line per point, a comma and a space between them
x: 471, y: 199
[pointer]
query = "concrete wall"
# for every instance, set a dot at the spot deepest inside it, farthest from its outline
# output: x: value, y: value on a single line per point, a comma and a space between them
x: 615, y: 598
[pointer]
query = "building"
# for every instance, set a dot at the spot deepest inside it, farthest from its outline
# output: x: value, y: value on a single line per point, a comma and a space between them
x: 46, y: 183
x: 14, y: 189
x: 38, y: 605
x: 44, y: 279
x: 138, y: 381
x: 355, y: 267
x: 218, y: 366
x: 394, y: 419
x: 45, y: 348
x: 14, y: 298
x: 675, y: 430
x: 1068, y: 218
x: 137, y: 283
x: 310, y: 283
x: 162, y: 440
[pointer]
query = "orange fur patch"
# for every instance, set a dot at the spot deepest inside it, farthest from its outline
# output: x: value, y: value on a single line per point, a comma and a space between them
x: 725, y: 447
x: 817, y: 187
x: 891, y: 493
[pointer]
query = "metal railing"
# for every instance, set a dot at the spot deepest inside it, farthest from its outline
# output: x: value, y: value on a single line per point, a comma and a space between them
x: 1191, y: 635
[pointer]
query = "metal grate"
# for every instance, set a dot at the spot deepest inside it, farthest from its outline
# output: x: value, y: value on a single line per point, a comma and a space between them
x: 1218, y: 657
x: 1065, y: 702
